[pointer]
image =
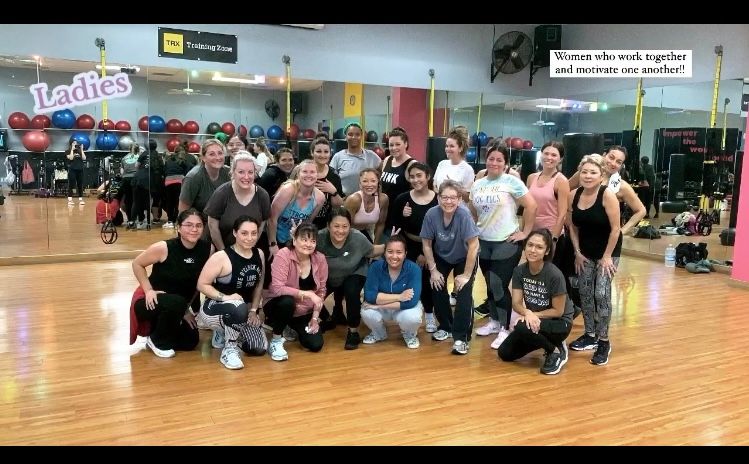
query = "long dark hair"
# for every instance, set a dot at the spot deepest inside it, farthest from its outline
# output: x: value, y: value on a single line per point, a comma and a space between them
x: 545, y: 235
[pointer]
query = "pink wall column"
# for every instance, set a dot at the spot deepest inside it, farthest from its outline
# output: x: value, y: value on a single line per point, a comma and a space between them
x: 410, y: 111
x: 741, y: 248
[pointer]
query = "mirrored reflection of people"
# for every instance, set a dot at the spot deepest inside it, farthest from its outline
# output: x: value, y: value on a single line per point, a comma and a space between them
x: 232, y: 281
x: 108, y: 204
x: 164, y: 304
x: 128, y: 165
x: 647, y: 185
x: 455, y: 166
x: 392, y: 292
x: 539, y: 296
x: 175, y: 169
x: 299, y: 274
x: 140, y: 212
x: 263, y: 156
x: 76, y: 162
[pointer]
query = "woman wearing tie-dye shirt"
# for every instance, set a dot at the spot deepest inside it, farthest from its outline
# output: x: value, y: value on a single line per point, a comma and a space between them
x: 494, y: 201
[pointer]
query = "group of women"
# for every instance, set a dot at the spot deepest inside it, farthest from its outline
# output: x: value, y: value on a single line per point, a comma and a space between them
x: 322, y: 231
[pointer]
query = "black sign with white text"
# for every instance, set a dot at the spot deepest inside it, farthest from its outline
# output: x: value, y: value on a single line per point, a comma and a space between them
x: 197, y: 46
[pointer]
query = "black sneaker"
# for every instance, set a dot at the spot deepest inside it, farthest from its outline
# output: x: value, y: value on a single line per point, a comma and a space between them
x: 352, y: 340
x: 585, y: 342
x: 338, y: 316
x: 601, y: 356
x: 552, y: 364
x: 481, y: 310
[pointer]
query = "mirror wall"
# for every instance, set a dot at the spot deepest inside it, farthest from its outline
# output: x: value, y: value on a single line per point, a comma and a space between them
x: 36, y: 218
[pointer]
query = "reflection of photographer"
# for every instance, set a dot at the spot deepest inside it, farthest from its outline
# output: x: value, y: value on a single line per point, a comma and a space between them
x: 76, y: 156
x: 108, y: 206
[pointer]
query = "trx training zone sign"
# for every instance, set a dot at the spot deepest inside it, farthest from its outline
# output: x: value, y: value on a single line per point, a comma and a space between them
x: 87, y: 88
x: 197, y: 46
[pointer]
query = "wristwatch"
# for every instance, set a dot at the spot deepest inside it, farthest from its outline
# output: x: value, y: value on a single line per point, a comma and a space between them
x: 220, y: 296
x: 272, y: 244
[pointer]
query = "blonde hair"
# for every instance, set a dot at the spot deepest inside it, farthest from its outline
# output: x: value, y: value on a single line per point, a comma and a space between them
x: 242, y: 155
x: 593, y: 158
x: 294, y: 176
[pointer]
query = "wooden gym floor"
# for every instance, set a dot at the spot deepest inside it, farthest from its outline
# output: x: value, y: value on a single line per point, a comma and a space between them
x: 677, y: 375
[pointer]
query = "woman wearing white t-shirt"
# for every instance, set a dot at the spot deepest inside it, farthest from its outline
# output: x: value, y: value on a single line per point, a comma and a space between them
x: 455, y: 166
x: 494, y: 201
x: 263, y: 157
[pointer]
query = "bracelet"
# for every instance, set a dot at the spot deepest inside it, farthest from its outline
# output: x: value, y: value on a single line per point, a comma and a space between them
x: 253, y: 310
x: 433, y: 267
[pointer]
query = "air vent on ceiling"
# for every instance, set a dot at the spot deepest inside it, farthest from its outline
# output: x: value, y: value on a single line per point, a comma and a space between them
x: 162, y: 74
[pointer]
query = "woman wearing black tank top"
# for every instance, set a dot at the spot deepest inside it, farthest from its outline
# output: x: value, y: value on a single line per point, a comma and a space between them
x: 596, y: 238
x: 161, y: 304
x: 394, y: 177
x: 231, y: 281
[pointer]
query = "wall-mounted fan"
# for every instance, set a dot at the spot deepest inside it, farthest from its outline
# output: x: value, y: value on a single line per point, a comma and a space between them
x: 188, y: 90
x: 272, y: 109
x: 511, y: 52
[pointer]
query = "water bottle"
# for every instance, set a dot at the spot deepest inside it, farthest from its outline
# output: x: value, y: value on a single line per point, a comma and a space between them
x: 670, y: 258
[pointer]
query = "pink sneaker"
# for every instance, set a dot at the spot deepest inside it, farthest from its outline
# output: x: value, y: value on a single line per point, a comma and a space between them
x: 489, y: 328
x: 503, y: 333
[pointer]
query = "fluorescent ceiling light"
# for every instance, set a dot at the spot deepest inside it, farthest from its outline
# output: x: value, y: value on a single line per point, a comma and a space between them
x: 259, y: 79
x: 117, y: 67
x: 550, y: 107
x: 594, y: 106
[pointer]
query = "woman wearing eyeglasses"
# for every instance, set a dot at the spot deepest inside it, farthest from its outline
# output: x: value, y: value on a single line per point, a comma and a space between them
x: 450, y: 241
x: 161, y: 306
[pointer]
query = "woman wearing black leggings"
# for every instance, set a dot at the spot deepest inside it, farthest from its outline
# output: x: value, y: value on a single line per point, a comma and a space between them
x: 76, y: 156
x: 539, y: 295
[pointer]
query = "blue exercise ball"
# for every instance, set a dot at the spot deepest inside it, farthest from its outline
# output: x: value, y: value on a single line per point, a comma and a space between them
x: 272, y: 147
x: 275, y: 133
x: 339, y: 134
x: 81, y: 138
x: 483, y: 139
x: 156, y: 124
x: 63, y: 119
x: 256, y: 131
x: 106, y: 141
x: 471, y: 154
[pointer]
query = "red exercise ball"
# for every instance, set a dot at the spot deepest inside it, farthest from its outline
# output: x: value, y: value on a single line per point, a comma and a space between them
x: 507, y: 141
x: 36, y: 140
x: 294, y: 132
x: 85, y: 121
x: 228, y: 128
x: 191, y: 127
x: 40, y: 121
x: 106, y: 124
x: 122, y: 126
x: 18, y: 120
x: 309, y: 134
x: 193, y: 147
x: 143, y: 123
x: 243, y: 130
x: 379, y: 151
x: 172, y: 144
x: 516, y: 143
x: 527, y: 145
x: 174, y: 126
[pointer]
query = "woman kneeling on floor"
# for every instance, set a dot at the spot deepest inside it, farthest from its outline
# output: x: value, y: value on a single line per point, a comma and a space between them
x: 539, y: 295
x: 232, y: 280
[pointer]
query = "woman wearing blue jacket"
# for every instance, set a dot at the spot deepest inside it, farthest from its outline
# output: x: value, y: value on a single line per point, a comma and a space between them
x: 392, y: 292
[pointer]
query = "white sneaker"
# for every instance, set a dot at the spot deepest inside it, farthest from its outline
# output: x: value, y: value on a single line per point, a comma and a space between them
x: 412, y: 341
x: 430, y: 323
x: 168, y: 225
x: 460, y: 347
x: 441, y: 335
x: 70, y: 201
x: 277, y: 351
x: 453, y: 299
x: 501, y: 336
x: 158, y: 351
x: 290, y: 334
x: 218, y: 341
x: 230, y: 358
x: 372, y: 338
x: 81, y: 202
x: 142, y: 225
x: 489, y: 328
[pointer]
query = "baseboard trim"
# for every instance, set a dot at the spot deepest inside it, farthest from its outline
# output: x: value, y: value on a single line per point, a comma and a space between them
x: 68, y: 258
